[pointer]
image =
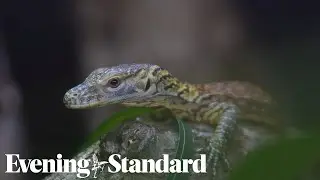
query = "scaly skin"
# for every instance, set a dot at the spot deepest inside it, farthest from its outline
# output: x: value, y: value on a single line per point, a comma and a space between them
x: 220, y: 104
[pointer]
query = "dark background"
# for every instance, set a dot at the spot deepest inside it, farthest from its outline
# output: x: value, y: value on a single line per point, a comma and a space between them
x: 40, y: 41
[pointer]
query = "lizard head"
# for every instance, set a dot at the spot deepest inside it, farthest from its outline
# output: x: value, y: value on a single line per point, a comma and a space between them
x: 126, y: 83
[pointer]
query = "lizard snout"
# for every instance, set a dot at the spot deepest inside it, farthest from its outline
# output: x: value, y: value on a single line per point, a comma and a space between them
x: 67, y: 100
x: 82, y: 97
x: 71, y: 99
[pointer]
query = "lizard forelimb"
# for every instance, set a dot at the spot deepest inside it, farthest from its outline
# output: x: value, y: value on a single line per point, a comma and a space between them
x: 222, y: 133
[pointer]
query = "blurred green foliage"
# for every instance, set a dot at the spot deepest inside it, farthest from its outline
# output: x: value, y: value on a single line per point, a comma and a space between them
x: 185, y: 148
x: 286, y: 159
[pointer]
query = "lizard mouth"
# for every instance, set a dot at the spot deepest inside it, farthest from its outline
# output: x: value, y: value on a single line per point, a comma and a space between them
x: 82, y: 106
x: 82, y: 97
x: 74, y: 102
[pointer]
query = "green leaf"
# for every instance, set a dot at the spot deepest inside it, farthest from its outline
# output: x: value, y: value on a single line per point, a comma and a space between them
x: 184, y: 150
x: 115, y: 121
x: 285, y: 160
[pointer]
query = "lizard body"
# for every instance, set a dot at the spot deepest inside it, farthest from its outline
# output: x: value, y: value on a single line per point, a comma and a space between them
x: 220, y: 104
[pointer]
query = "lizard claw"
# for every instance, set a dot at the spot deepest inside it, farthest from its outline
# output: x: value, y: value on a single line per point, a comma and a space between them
x: 215, y: 158
x: 226, y: 163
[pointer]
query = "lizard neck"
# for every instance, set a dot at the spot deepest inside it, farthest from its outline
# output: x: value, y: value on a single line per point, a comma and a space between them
x: 174, y: 89
x: 170, y: 92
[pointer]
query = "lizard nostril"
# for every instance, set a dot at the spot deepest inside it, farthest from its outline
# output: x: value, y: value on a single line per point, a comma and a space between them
x: 66, y: 99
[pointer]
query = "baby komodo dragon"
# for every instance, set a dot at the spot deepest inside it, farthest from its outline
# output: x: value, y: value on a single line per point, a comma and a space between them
x: 220, y: 104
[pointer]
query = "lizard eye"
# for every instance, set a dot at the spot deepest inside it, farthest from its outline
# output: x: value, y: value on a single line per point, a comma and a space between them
x: 114, y: 82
